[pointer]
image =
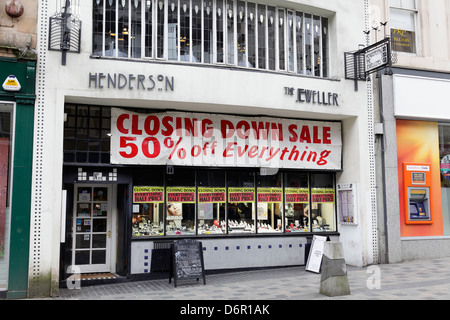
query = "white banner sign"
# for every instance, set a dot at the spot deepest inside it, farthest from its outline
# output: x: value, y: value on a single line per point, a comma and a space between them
x: 196, y: 139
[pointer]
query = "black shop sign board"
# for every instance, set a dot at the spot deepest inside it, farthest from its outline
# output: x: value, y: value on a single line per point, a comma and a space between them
x: 187, y: 261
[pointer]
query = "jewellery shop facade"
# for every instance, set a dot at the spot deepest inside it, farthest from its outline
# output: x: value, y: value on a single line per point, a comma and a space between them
x: 236, y: 145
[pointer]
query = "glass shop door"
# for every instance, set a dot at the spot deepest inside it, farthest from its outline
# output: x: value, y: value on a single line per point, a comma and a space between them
x: 92, y: 228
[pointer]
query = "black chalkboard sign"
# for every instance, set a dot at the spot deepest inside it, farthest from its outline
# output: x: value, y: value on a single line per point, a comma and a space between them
x: 187, y: 261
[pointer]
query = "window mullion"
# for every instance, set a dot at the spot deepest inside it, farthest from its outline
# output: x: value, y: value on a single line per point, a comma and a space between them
x: 116, y: 40
x: 294, y: 40
x: 277, y: 40
x: 104, y: 30
x: 214, y: 30
x: 129, y: 28
x: 256, y: 17
x: 190, y: 31
x: 143, y: 6
x: 235, y: 40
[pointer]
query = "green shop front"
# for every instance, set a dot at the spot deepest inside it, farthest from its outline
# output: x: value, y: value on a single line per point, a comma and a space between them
x: 17, y: 98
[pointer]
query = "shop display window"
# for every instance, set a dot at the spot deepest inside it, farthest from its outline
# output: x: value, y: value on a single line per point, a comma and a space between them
x: 296, y: 202
x: 270, y: 203
x: 444, y: 159
x: 209, y: 202
x: 241, y: 202
x: 148, y: 204
x: 323, y: 199
x: 180, y: 201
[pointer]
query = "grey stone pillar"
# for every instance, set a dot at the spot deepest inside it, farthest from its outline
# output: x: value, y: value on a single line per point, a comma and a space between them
x: 334, y: 280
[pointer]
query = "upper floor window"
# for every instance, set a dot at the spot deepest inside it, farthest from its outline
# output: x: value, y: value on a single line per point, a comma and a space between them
x: 228, y: 32
x: 403, y: 17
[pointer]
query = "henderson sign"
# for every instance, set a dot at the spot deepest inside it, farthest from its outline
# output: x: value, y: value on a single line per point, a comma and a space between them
x: 200, y: 139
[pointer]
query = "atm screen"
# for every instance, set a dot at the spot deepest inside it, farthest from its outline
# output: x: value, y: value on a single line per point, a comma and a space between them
x: 417, y: 210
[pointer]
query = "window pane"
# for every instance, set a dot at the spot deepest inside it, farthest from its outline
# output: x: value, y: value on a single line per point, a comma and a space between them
x: 402, y: 31
x: 281, y: 39
x: 123, y: 32
x: 136, y: 29
x: 148, y: 203
x: 241, y: 202
x: 230, y: 31
x: 271, y: 36
x: 325, y: 55
x: 208, y: 44
x: 323, y: 216
x: 308, y: 44
x: 241, y: 35
x: 211, y: 202
x: 160, y: 30
x: 172, y: 46
x: 402, y: 19
x: 251, y: 32
x: 97, y: 29
x: 181, y: 196
x: 300, y: 43
x: 185, y: 37
x: 270, y: 203
x: 220, y: 33
x: 444, y: 157
x: 110, y: 29
x: 148, y: 28
x: 317, y: 45
x: 296, y: 197
x: 290, y: 39
x: 262, y: 23
x: 196, y: 31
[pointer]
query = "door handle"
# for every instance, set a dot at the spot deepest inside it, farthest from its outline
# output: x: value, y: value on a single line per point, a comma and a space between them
x: 109, y: 234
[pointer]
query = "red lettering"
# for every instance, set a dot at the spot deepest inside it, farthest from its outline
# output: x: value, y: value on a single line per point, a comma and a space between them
x: 227, y: 129
x: 326, y: 135
x: 190, y: 126
x: 135, y: 125
x: 120, y: 120
x: 260, y: 129
x: 292, y: 130
x: 244, y: 131
x: 166, y: 122
x: 148, y: 125
x: 316, y: 138
x: 242, y: 151
x: 253, y: 152
x: 179, y: 126
x: 229, y: 148
x: 126, y: 142
x: 305, y: 136
x: 156, y: 147
x: 207, y: 132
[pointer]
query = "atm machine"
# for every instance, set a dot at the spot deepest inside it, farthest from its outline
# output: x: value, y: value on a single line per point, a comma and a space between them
x: 417, y: 187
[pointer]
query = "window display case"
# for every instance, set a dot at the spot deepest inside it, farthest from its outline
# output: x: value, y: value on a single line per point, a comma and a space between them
x: 212, y: 202
x: 296, y: 201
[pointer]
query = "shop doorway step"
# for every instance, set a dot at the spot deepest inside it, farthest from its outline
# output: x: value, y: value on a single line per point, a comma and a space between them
x: 91, y: 279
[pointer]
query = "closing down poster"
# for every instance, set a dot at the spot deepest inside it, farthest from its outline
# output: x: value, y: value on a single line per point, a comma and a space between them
x: 201, y: 139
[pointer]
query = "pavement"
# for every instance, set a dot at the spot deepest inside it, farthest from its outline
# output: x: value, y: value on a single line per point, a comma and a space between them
x: 413, y: 280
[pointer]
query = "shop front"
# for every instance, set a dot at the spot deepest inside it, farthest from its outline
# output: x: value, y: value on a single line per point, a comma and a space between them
x: 253, y: 190
x: 228, y: 122
x: 17, y: 97
x: 421, y: 158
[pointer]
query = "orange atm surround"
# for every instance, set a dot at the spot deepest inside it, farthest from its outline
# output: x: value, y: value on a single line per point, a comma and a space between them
x: 417, y: 193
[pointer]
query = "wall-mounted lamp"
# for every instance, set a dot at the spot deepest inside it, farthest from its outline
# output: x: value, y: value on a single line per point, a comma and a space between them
x: 65, y: 32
